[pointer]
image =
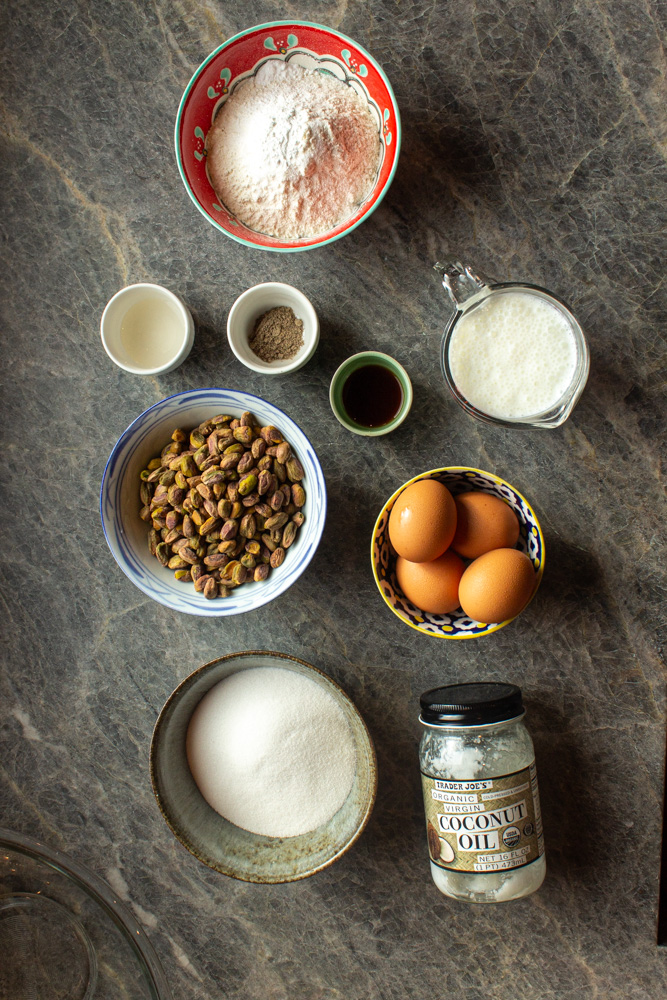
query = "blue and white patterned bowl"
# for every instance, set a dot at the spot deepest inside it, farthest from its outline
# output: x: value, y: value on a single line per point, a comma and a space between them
x: 457, y: 479
x: 127, y: 534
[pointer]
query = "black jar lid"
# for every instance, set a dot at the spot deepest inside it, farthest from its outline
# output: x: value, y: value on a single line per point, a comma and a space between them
x: 471, y: 704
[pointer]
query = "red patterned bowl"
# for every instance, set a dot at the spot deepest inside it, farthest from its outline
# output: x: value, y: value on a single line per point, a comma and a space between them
x: 311, y: 45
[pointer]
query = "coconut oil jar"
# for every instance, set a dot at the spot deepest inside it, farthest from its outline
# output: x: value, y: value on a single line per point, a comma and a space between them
x: 483, y: 820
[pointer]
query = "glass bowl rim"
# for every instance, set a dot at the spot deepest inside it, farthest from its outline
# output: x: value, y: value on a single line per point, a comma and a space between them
x: 96, y: 889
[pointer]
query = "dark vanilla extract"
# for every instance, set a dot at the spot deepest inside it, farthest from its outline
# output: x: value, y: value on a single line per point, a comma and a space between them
x: 372, y: 396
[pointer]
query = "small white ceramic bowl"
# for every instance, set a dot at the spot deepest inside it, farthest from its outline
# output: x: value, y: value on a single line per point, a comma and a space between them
x: 254, y: 303
x: 147, y: 330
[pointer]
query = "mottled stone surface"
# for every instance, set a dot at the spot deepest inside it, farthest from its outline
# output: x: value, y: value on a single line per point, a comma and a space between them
x: 534, y: 147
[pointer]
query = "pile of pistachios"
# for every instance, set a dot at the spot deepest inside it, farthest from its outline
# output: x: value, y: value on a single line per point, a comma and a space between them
x: 224, y: 503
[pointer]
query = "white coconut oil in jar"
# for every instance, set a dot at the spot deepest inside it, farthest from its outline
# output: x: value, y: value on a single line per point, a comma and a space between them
x: 483, y: 820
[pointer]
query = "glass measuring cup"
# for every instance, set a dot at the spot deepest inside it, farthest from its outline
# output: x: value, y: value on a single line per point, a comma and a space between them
x: 523, y: 374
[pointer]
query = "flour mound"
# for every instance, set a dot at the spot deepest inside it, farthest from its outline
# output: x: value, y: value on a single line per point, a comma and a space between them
x: 293, y: 153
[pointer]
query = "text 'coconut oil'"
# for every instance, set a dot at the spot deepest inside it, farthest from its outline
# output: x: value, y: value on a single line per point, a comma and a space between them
x: 483, y: 820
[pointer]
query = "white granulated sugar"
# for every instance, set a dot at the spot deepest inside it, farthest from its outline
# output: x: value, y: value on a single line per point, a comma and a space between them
x: 293, y: 152
x: 271, y: 751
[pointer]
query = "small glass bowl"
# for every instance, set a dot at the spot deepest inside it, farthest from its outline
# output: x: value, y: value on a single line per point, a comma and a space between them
x: 65, y: 934
x: 467, y: 291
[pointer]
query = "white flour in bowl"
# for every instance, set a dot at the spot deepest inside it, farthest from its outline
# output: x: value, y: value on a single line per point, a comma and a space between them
x: 292, y: 152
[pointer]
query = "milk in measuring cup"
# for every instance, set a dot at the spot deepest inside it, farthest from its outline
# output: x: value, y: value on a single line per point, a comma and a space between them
x: 512, y: 356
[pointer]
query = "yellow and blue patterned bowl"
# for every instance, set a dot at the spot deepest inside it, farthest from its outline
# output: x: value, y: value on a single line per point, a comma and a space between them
x: 457, y: 479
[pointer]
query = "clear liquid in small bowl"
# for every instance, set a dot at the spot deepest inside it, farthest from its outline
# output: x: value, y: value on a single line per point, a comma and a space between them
x: 152, y: 332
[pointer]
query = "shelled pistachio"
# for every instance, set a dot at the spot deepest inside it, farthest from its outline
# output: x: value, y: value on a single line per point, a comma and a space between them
x: 223, y: 503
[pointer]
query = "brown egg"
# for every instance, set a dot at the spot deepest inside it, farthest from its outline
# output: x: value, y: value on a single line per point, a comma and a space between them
x: 422, y: 521
x: 497, y: 585
x: 432, y: 586
x: 483, y: 522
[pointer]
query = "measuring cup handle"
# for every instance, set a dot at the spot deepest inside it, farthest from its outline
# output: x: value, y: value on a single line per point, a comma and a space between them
x: 460, y: 283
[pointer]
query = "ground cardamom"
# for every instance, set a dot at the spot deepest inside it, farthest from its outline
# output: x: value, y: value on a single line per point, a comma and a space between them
x: 277, y: 336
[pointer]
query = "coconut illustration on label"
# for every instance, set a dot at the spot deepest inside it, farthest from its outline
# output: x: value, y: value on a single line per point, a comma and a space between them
x: 438, y: 848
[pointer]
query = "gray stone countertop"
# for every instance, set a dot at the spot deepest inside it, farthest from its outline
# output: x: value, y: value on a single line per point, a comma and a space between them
x: 534, y: 148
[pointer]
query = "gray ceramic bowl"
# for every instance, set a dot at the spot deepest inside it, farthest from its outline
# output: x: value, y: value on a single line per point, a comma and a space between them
x: 217, y: 842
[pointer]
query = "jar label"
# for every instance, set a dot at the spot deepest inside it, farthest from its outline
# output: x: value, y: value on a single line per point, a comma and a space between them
x: 484, y: 826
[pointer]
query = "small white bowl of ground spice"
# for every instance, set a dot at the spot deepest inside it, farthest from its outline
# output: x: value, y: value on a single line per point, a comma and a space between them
x: 273, y: 329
